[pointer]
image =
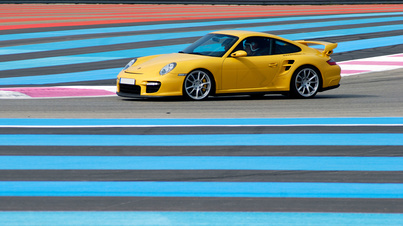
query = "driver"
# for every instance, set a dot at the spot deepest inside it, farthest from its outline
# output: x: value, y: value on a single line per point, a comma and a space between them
x: 252, y: 47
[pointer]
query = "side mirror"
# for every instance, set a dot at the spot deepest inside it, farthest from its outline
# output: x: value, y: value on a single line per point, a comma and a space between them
x: 239, y: 53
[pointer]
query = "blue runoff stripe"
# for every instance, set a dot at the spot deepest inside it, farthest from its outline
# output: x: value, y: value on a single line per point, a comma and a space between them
x: 144, y: 218
x: 94, y: 75
x: 392, y: 121
x: 340, y: 32
x: 369, y: 43
x: 89, y: 58
x: 165, y: 36
x: 200, y: 163
x: 201, y: 189
x: 180, y: 25
x: 202, y: 140
x: 97, y: 42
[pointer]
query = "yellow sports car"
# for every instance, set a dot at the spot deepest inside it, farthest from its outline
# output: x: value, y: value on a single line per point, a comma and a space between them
x: 234, y: 62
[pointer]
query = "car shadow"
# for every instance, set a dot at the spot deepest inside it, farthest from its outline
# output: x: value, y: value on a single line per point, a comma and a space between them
x: 212, y: 98
x: 343, y: 96
x: 245, y: 97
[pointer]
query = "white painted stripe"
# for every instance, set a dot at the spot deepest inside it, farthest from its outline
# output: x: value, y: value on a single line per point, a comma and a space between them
x: 388, y: 58
x: 12, y: 95
x: 177, y: 126
x: 357, y: 65
x: 51, y: 92
x: 369, y: 67
x: 215, y: 122
x: 107, y: 88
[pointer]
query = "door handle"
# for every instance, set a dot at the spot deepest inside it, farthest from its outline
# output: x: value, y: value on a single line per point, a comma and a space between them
x: 273, y: 64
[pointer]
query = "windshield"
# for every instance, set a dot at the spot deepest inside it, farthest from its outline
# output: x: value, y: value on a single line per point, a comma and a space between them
x: 211, y: 45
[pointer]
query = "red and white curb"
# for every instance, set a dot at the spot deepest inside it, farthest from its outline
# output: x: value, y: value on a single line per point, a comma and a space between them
x: 372, y: 64
x: 353, y: 67
x: 57, y: 92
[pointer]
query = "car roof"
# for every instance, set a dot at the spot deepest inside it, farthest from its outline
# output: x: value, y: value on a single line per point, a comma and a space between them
x: 243, y: 33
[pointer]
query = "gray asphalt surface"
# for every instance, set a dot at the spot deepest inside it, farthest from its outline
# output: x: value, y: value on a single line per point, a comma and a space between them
x: 366, y: 95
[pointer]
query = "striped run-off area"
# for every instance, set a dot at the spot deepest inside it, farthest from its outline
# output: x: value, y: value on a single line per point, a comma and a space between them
x: 290, y: 171
x: 87, y: 45
x: 296, y: 171
x: 372, y: 64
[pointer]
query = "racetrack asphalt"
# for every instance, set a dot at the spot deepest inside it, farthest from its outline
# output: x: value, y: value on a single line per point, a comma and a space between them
x: 118, y: 183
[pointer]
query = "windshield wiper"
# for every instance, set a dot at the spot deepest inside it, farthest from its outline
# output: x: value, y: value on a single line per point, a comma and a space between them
x: 192, y: 53
x: 197, y: 54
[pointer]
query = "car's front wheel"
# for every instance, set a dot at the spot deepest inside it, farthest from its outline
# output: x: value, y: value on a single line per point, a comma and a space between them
x: 305, y: 82
x: 198, y: 85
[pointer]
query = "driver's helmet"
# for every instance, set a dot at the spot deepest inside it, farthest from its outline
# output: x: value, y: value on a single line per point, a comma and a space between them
x: 253, y: 45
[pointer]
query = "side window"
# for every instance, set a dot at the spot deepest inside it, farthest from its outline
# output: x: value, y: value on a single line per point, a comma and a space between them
x: 281, y: 47
x: 255, y: 46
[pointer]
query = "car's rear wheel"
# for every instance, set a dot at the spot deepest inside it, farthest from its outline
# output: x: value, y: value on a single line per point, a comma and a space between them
x: 305, y: 82
x: 198, y: 85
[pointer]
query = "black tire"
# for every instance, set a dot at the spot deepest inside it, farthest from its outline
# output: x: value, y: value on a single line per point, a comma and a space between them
x: 198, y: 85
x: 305, y: 82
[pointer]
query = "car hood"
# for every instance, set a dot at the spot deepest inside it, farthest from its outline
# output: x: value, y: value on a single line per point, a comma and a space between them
x: 157, y: 62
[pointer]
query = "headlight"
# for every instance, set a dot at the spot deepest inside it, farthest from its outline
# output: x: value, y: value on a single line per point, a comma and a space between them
x: 167, y: 68
x: 130, y: 63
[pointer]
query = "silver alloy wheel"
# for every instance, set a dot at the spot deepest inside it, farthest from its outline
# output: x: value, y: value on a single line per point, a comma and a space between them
x: 197, y: 85
x: 307, y: 82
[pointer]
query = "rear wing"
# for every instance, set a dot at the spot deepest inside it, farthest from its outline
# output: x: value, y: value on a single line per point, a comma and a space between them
x: 328, y: 46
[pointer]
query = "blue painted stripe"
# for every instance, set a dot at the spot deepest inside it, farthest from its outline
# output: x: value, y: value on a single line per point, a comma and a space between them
x: 181, y: 25
x: 202, y: 189
x: 153, y: 37
x: 97, y: 42
x: 342, y: 32
x: 202, y: 140
x: 369, y: 43
x: 93, y: 75
x: 200, y: 163
x: 203, y: 122
x: 89, y: 57
x: 90, y: 218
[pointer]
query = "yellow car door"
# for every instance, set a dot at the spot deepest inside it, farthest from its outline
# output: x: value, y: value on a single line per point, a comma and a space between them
x: 251, y: 67
x: 249, y: 73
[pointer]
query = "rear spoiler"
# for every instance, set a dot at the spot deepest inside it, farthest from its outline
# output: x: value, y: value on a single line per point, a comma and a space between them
x: 328, y: 46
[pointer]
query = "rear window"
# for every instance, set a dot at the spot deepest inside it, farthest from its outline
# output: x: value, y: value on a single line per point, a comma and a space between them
x: 281, y: 47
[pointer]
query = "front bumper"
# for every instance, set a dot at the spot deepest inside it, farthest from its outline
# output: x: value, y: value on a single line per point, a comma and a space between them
x: 149, y: 86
